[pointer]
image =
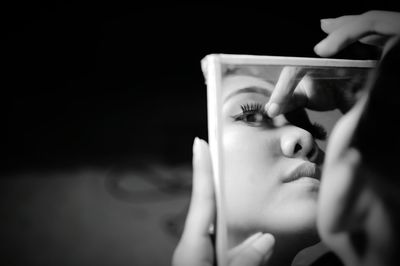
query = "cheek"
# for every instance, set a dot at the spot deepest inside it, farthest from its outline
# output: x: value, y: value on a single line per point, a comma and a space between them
x: 333, y: 182
x: 251, y: 167
x: 251, y: 145
x: 332, y: 198
x: 325, y: 203
x: 330, y: 209
x: 249, y: 156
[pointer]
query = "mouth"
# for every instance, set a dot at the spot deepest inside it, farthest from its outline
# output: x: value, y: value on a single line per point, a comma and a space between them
x: 307, y: 169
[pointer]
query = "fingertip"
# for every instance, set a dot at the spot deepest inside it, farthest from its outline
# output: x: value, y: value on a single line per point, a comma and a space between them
x: 199, y: 147
x: 317, y: 48
x: 321, y: 49
x: 264, y: 243
x: 270, y: 238
x: 254, y: 237
x: 204, y: 151
x: 202, y: 143
x: 196, y: 145
x: 266, y: 107
x: 273, y: 109
x: 326, y: 22
x: 202, y: 169
x: 202, y: 205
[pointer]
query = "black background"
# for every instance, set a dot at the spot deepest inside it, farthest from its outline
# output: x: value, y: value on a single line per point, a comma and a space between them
x: 92, y: 83
x: 88, y: 86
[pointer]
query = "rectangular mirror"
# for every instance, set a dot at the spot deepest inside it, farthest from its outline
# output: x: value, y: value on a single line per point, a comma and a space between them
x: 267, y: 171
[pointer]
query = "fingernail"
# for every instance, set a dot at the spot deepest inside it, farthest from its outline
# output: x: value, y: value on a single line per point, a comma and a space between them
x: 264, y: 243
x: 255, y: 236
x: 325, y: 21
x: 266, y: 106
x: 273, y: 109
x: 196, y: 145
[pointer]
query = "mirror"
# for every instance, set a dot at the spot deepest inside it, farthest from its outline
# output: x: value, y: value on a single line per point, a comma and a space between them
x: 266, y: 171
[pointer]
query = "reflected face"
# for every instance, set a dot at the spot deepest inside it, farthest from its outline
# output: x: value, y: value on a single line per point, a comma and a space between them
x: 271, y: 166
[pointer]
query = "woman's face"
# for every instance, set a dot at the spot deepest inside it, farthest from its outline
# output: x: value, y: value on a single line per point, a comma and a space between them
x: 271, y: 170
x: 338, y: 175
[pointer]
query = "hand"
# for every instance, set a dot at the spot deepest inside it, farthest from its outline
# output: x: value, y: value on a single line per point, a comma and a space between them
x: 315, y: 89
x: 378, y: 28
x: 195, y: 247
x: 254, y: 251
x: 295, y: 88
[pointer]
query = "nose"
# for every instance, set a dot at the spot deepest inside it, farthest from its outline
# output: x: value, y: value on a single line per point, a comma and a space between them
x: 297, y: 142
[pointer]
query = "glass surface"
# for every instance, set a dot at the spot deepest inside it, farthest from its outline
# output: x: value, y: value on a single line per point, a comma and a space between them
x: 256, y: 159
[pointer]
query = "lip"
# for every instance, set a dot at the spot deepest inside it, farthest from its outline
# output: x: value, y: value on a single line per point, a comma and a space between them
x: 307, y: 169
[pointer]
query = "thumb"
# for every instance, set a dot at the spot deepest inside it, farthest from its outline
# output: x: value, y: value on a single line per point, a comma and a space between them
x: 255, y: 251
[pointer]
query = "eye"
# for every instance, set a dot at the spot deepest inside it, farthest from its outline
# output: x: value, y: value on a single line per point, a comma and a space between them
x: 253, y: 115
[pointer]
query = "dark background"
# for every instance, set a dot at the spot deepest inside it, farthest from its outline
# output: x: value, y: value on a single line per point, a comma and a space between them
x: 94, y: 82
x: 93, y: 90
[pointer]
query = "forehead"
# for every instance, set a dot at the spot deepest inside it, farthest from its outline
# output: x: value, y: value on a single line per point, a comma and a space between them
x: 232, y: 84
x: 237, y: 77
x: 266, y: 72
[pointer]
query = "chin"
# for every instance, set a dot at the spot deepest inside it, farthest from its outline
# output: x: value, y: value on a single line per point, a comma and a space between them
x: 296, y: 219
x: 302, y: 233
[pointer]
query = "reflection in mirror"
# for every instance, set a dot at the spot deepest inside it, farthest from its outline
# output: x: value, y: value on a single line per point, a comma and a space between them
x: 268, y: 169
x: 262, y: 155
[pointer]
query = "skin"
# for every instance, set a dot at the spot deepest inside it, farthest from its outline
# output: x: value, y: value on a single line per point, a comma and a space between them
x: 258, y: 157
x: 252, y: 244
x: 338, y: 172
x: 195, y: 247
x: 349, y: 204
x: 378, y: 28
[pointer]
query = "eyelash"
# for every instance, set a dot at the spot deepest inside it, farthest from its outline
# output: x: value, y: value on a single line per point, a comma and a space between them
x: 253, y: 109
x: 316, y: 130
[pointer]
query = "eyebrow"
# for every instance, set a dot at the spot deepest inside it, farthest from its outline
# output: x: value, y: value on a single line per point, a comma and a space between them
x: 251, y: 89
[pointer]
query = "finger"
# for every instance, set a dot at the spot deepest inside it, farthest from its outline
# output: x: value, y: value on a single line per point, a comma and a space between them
x: 202, y: 205
x: 378, y: 22
x: 195, y: 246
x: 281, y: 95
x: 256, y: 253
x: 375, y: 40
x: 356, y: 28
x: 383, y: 22
x: 329, y: 25
x: 341, y: 37
x: 236, y: 250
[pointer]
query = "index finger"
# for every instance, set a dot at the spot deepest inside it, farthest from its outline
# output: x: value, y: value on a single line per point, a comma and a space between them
x: 195, y: 246
x: 255, y: 253
x: 201, y: 212
x: 350, y: 29
x: 280, y: 98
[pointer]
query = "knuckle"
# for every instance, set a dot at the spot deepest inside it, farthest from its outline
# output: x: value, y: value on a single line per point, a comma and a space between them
x: 370, y: 18
x: 372, y: 13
